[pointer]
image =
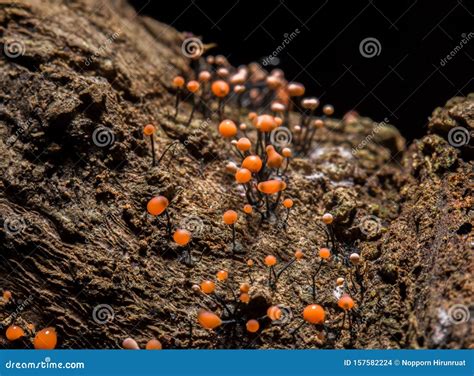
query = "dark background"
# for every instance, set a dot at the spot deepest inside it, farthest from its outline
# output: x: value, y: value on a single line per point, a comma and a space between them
x: 403, y: 84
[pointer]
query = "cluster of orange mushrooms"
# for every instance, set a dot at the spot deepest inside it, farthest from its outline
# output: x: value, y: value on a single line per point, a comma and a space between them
x: 251, y: 107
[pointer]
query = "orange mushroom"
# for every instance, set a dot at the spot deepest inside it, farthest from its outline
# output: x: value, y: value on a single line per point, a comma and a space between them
x: 314, y: 314
x: 208, y: 287
x: 46, y: 339
x: 208, y: 320
x: 227, y: 128
x: 271, y: 186
x: 153, y: 344
x: 157, y: 205
x: 324, y: 253
x: 243, y: 144
x: 345, y: 302
x: 14, y: 332
x: 245, y: 298
x: 230, y: 217
x: 288, y: 203
x: 270, y: 260
x: 252, y: 163
x: 182, y: 237
x: 243, y: 176
x: 265, y: 123
x: 252, y: 326
x: 274, y: 159
x: 222, y: 275
x: 274, y: 313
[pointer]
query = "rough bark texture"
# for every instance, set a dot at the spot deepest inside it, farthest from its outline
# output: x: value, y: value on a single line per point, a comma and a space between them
x: 75, y: 234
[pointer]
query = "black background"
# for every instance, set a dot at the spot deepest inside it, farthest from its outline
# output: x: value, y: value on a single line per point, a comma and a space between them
x: 403, y: 84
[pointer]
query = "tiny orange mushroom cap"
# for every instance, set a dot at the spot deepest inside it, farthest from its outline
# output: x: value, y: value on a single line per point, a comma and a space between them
x: 314, y: 314
x: 245, y: 297
x: 153, y: 344
x: 208, y: 287
x: 249, y: 262
x: 252, y: 163
x: 288, y: 203
x: 182, y: 237
x: 299, y: 254
x: 157, y: 205
x: 274, y: 313
x: 149, y: 129
x: 244, y: 287
x: 243, y: 176
x: 193, y: 86
x: 346, y: 302
x: 248, y: 209
x: 286, y: 152
x: 220, y: 88
x: 227, y: 128
x: 14, y: 332
x: 274, y: 160
x: 222, y: 275
x: 178, y: 81
x: 270, y: 260
x: 46, y: 339
x: 252, y: 326
x: 327, y: 218
x: 7, y: 295
x: 243, y: 144
x: 295, y: 89
x: 271, y: 186
x: 252, y: 115
x: 265, y: 123
x: 324, y: 253
x: 230, y: 217
x: 208, y: 320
